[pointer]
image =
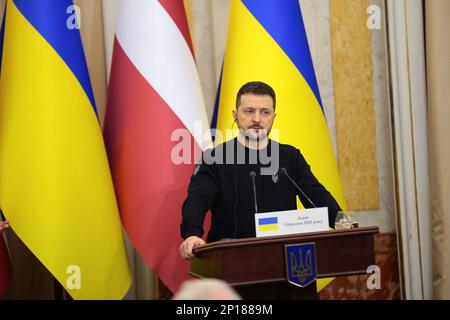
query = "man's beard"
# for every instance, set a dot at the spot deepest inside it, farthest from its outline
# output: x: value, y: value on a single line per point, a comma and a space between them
x: 253, y: 137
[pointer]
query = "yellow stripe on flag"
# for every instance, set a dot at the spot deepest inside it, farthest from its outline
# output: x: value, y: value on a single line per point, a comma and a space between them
x: 55, y: 183
x: 268, y: 227
x: 252, y: 55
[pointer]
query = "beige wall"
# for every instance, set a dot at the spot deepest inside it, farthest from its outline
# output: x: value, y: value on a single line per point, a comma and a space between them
x: 438, y: 77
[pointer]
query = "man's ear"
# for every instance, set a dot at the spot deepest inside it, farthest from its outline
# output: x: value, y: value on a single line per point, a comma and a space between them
x: 234, y: 115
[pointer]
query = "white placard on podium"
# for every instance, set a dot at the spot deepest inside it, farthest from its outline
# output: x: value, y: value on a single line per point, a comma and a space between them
x: 280, y: 223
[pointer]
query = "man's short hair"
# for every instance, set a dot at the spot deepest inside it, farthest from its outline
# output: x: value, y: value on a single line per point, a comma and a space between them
x: 258, y: 88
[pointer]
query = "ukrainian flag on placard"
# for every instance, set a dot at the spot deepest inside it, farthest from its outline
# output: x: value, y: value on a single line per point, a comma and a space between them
x: 55, y: 184
x: 268, y: 224
x: 267, y: 42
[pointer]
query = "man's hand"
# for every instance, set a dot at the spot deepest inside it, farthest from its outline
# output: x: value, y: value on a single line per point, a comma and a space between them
x: 3, y: 226
x: 188, y: 245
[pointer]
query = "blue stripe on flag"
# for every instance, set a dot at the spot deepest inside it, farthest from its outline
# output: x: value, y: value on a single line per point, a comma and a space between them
x: 216, y: 102
x: 49, y: 18
x: 263, y: 221
x: 283, y: 21
x: 2, y: 37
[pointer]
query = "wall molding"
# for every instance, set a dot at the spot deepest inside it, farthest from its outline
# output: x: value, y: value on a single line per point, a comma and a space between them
x: 409, y: 110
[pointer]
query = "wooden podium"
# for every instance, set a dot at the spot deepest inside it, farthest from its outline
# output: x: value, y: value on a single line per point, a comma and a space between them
x: 256, y: 267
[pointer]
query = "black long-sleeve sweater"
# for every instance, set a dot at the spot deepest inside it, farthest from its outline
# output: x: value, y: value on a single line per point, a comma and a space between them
x: 226, y: 189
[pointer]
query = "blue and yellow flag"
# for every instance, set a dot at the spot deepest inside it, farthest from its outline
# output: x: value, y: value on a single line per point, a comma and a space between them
x: 267, y: 224
x: 267, y: 42
x: 55, y: 184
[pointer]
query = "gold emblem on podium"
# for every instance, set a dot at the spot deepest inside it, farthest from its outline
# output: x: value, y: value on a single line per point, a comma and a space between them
x: 301, y: 263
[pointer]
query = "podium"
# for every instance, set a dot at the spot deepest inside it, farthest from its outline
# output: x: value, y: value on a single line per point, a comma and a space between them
x: 256, y: 267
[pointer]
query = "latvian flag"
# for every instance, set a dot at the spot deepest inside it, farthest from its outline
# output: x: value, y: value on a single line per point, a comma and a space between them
x: 154, y: 91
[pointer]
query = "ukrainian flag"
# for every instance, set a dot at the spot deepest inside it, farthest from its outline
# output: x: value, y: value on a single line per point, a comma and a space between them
x: 267, y: 42
x: 55, y: 183
x: 268, y: 224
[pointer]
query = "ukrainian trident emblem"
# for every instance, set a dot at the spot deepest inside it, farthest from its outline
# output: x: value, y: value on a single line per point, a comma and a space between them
x: 301, y: 264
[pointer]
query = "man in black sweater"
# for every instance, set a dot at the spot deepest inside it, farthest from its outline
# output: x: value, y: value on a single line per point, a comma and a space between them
x: 223, y: 181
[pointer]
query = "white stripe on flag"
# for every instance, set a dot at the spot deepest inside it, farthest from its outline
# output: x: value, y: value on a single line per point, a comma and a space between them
x: 159, y: 51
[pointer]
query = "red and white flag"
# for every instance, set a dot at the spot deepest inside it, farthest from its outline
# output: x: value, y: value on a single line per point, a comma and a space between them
x: 5, y: 267
x: 154, y: 90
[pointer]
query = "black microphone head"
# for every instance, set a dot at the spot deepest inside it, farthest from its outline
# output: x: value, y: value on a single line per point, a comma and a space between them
x: 283, y: 170
x: 252, y: 174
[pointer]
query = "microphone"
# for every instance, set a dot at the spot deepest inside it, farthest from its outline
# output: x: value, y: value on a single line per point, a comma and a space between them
x: 283, y: 170
x: 253, y: 175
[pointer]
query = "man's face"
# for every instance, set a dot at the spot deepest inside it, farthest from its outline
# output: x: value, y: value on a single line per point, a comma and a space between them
x: 255, y: 116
